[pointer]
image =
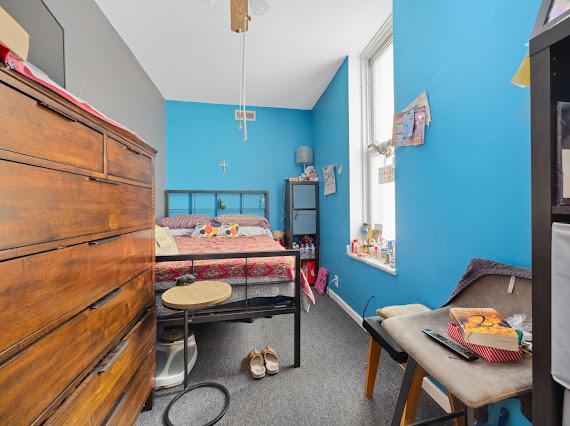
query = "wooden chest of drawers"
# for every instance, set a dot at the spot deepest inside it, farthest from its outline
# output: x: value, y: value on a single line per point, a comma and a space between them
x: 78, y: 335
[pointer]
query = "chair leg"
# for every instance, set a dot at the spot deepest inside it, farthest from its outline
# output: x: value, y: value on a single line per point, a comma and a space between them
x: 374, y: 350
x: 456, y: 405
x: 404, y: 391
x: 469, y: 416
x: 413, y: 400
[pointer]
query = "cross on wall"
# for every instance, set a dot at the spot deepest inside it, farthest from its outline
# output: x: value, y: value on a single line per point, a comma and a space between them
x: 224, y: 165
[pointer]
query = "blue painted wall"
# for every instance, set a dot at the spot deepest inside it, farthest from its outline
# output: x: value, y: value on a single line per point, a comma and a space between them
x: 466, y: 192
x: 199, y: 136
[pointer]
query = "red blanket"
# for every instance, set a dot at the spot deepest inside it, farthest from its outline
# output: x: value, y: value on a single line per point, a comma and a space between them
x: 266, y: 267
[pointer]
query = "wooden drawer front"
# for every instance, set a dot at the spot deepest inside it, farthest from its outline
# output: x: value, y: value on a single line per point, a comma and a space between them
x: 128, y: 409
x: 71, y: 279
x: 124, y: 162
x: 32, y: 129
x: 36, y: 377
x: 93, y: 401
x: 39, y: 205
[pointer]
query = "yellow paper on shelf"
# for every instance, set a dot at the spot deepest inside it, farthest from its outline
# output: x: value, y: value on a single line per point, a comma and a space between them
x: 522, y: 76
x: 13, y: 35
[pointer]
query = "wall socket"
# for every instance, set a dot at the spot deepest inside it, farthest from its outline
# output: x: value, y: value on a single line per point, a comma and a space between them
x: 334, y: 281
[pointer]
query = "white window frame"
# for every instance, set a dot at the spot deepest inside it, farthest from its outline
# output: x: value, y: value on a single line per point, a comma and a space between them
x: 381, y: 40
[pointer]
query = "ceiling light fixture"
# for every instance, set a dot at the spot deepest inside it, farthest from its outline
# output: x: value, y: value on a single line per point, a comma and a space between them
x: 240, y: 19
x: 258, y: 7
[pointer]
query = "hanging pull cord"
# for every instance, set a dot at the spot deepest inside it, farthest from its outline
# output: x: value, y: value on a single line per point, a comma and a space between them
x: 241, y: 82
x: 244, y: 117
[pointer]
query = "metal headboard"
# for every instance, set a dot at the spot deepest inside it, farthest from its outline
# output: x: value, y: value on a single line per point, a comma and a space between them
x: 209, y: 202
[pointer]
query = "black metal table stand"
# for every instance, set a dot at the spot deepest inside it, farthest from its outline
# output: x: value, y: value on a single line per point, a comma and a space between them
x: 188, y: 389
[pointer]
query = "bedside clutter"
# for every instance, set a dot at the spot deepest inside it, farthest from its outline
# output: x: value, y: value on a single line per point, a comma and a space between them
x: 477, y: 383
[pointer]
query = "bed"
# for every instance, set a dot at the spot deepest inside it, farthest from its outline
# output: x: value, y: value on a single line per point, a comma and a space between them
x: 265, y: 278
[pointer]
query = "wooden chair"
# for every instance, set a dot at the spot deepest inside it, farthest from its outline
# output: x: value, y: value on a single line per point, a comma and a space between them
x: 379, y: 339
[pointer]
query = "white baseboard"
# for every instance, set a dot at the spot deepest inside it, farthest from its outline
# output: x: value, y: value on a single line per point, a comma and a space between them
x: 428, y: 386
x: 345, y: 307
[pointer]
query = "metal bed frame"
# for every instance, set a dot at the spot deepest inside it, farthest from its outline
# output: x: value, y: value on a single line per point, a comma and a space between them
x: 247, y: 312
x: 191, y: 208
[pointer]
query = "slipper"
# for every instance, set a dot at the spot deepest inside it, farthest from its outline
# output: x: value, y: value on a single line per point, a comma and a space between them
x: 271, y: 360
x: 255, y: 364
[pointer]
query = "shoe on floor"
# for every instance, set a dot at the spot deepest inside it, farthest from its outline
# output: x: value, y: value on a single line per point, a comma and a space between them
x: 271, y: 360
x: 255, y: 364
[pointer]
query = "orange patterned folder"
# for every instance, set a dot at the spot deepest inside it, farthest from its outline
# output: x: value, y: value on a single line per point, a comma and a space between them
x: 486, y: 327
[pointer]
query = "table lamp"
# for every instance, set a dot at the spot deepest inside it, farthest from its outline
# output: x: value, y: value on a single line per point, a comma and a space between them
x: 304, y: 156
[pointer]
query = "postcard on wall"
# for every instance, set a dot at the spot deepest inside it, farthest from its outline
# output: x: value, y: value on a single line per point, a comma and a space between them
x: 330, y: 181
x: 409, y: 127
x: 408, y: 124
x: 398, y: 129
x: 421, y: 101
x: 419, y: 126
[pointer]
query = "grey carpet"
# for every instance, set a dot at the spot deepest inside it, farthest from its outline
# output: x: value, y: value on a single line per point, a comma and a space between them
x: 327, y: 389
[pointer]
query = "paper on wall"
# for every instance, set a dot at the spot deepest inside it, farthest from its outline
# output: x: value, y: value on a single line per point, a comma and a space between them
x: 398, y: 129
x: 416, y: 119
x: 421, y: 101
x: 419, y: 125
x: 408, y: 124
x: 330, y: 181
x: 566, y: 173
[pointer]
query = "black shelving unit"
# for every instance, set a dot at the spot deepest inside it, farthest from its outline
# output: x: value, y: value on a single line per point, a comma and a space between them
x: 550, y: 77
x: 302, y: 215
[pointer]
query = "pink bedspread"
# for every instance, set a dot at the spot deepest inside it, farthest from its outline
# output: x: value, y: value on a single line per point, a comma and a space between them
x: 266, y: 267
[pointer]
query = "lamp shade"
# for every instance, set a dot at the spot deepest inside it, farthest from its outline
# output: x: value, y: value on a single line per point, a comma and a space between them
x: 304, y: 155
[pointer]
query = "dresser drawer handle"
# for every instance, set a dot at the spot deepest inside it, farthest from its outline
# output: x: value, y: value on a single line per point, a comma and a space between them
x: 107, y: 362
x: 100, y: 180
x: 57, y: 111
x: 104, y: 240
x: 105, y: 299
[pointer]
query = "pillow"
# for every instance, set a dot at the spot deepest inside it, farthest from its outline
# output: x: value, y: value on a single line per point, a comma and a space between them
x: 252, y: 231
x: 213, y: 230
x: 181, y: 232
x: 165, y: 244
x: 183, y: 221
x: 244, y: 220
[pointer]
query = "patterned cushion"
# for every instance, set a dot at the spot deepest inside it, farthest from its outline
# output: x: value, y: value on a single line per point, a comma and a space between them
x: 183, y: 221
x: 244, y: 220
x: 213, y: 229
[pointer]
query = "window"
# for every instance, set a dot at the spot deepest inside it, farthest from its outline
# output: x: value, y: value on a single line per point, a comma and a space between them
x: 378, y: 103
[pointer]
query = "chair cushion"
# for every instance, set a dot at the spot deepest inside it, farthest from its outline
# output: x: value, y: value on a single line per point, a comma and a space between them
x: 397, y: 310
x: 374, y: 327
x: 475, y: 383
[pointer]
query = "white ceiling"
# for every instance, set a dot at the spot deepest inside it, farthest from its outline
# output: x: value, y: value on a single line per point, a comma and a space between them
x: 293, y: 51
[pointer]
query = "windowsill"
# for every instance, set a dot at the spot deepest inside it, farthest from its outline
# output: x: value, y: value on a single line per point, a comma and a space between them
x: 374, y: 263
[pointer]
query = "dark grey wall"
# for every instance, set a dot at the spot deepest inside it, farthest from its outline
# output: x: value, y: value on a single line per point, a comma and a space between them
x: 115, y: 84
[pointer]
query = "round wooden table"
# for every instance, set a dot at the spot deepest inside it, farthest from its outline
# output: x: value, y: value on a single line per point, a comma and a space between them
x: 200, y: 294
x: 190, y: 297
